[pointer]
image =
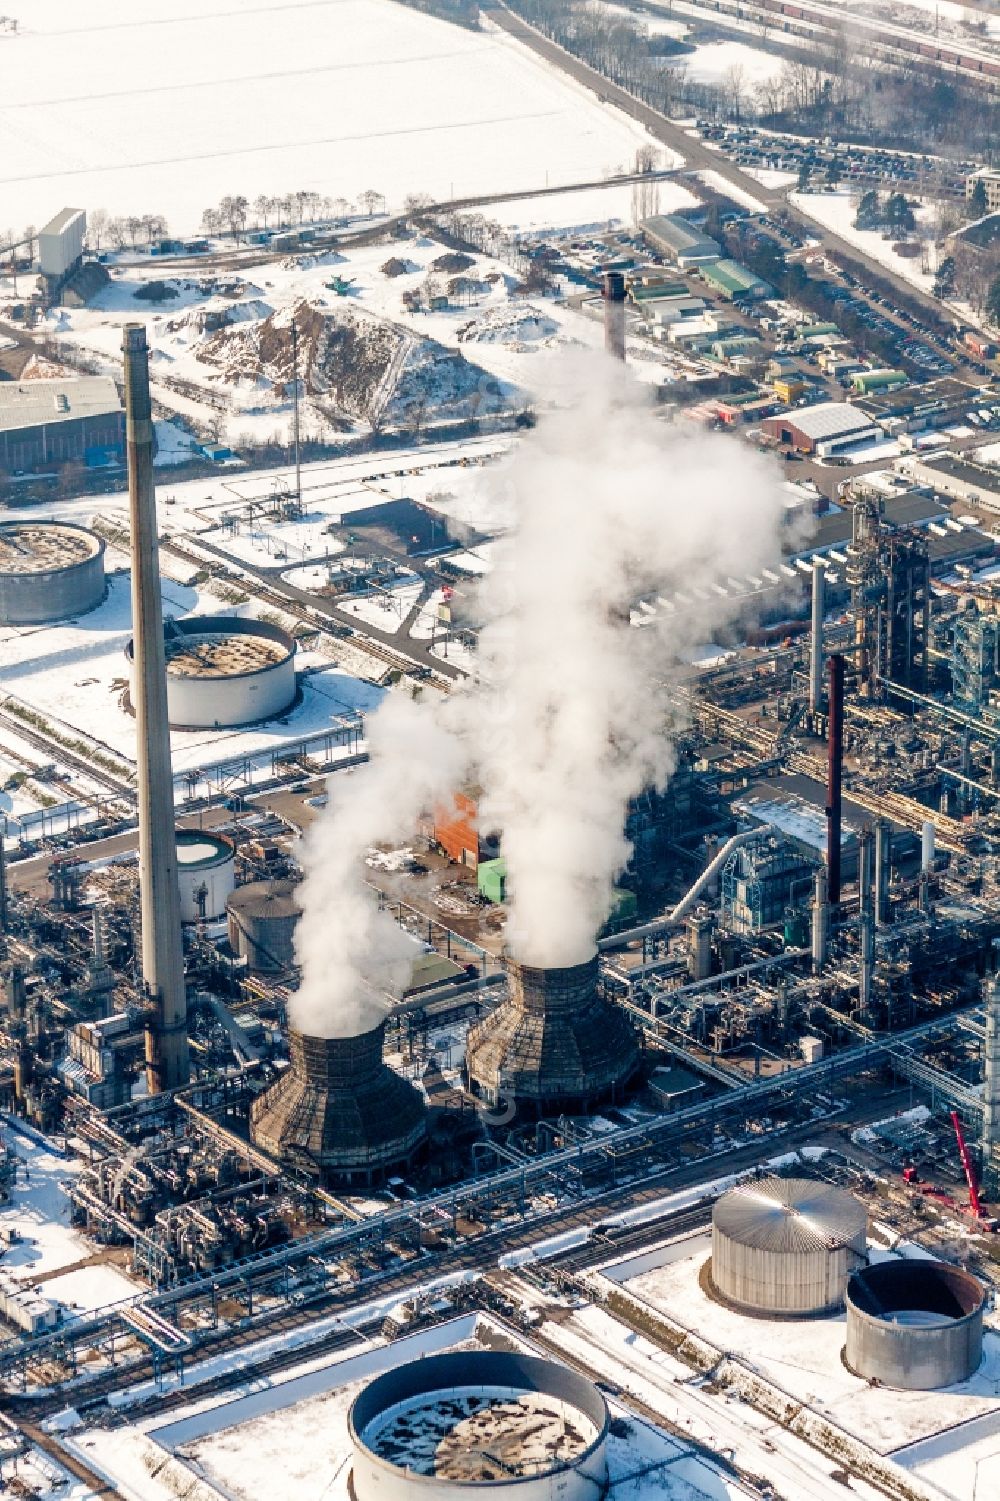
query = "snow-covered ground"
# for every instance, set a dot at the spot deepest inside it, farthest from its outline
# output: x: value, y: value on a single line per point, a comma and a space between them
x: 39, y: 1211
x: 334, y: 96
x: 727, y: 64
x: 587, y: 208
x: 288, y: 1434
x: 804, y: 1359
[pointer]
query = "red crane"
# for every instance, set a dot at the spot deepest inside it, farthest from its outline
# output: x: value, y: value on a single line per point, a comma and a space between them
x: 970, y: 1172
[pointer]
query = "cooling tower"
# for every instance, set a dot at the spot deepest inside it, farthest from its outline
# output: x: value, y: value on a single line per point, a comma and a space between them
x: 338, y: 1111
x: 554, y: 1043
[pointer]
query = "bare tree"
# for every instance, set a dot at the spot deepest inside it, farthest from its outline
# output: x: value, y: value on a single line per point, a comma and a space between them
x: 261, y: 208
x: 97, y: 227
x: 372, y: 201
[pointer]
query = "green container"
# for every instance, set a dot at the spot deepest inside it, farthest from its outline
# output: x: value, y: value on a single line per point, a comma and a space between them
x: 796, y: 929
x: 491, y: 879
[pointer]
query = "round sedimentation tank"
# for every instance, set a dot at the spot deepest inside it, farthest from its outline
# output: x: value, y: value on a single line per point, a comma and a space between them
x: 49, y: 570
x: 206, y: 874
x: 450, y: 1427
x: 339, y: 1111
x: 916, y: 1325
x: 553, y: 1043
x: 786, y: 1247
x: 262, y: 919
x: 223, y: 671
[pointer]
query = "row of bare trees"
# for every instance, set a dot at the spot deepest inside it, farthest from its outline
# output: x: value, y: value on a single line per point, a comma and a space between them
x: 236, y: 214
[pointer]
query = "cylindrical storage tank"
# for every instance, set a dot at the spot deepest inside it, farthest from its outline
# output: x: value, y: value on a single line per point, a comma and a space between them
x: 49, y: 570
x: 916, y: 1325
x: 786, y: 1246
x: 223, y: 671
x: 927, y: 845
x: 262, y: 919
x: 206, y: 874
x: 474, y: 1423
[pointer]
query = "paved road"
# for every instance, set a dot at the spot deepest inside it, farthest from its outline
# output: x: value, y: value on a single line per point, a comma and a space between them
x: 699, y: 156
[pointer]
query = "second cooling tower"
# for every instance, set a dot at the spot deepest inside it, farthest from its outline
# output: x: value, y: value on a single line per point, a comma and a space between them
x: 554, y: 1043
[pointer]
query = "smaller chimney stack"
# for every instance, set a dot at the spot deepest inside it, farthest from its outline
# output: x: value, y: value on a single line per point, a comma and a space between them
x: 835, y: 774
x: 613, y: 293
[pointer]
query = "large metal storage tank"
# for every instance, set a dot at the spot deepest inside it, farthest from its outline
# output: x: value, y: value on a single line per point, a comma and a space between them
x: 470, y: 1423
x: 223, y: 671
x: 206, y: 874
x: 262, y: 919
x: 49, y: 570
x: 914, y: 1324
x: 786, y: 1246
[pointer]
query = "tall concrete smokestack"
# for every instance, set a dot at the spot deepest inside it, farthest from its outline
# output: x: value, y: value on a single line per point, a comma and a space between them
x: 613, y: 292
x: 816, y: 644
x: 167, y: 1062
x: 835, y: 775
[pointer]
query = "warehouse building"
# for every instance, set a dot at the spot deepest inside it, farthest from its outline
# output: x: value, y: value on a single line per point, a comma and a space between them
x: 824, y: 430
x: 735, y: 281
x: 51, y: 422
x: 678, y: 239
x: 870, y: 382
x: 959, y: 479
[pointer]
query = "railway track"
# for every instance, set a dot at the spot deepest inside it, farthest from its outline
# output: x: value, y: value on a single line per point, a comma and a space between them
x: 54, y: 749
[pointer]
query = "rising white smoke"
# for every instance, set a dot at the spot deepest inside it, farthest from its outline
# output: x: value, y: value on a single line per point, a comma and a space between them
x: 570, y: 716
x: 608, y: 505
x: 349, y: 951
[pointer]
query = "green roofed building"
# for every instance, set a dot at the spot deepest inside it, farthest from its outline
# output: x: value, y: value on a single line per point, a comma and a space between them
x: 734, y: 280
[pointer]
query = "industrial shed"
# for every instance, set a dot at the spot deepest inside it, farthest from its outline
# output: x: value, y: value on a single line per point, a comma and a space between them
x: 678, y: 238
x: 734, y: 280
x: 46, y: 422
x: 960, y: 479
x: 824, y: 430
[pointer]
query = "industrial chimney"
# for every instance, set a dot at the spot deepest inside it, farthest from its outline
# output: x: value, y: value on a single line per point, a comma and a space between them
x: 835, y: 776
x: 613, y: 292
x: 339, y: 1111
x: 554, y: 1043
x: 167, y: 1061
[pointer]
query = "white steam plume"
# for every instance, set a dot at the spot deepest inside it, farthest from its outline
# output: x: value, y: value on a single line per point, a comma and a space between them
x: 349, y: 951
x: 570, y: 717
x: 608, y: 504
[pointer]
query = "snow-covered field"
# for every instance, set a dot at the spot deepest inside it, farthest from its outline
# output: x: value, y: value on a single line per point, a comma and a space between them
x: 140, y: 107
x: 836, y: 210
x: 715, y: 62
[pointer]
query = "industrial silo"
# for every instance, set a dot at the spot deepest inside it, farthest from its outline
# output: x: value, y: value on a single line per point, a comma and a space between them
x: 49, y: 570
x: 786, y: 1246
x: 479, y: 1422
x: 262, y: 919
x: 224, y: 671
x: 914, y: 1324
x: 206, y: 874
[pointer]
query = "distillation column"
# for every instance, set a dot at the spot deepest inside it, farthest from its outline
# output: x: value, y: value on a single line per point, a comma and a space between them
x: 816, y: 644
x: 167, y: 1060
x: 866, y: 917
x: 990, y: 1144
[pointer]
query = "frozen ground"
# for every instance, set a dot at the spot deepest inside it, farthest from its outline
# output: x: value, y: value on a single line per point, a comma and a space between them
x: 588, y: 208
x: 333, y: 96
x: 715, y: 62
x: 804, y: 1359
